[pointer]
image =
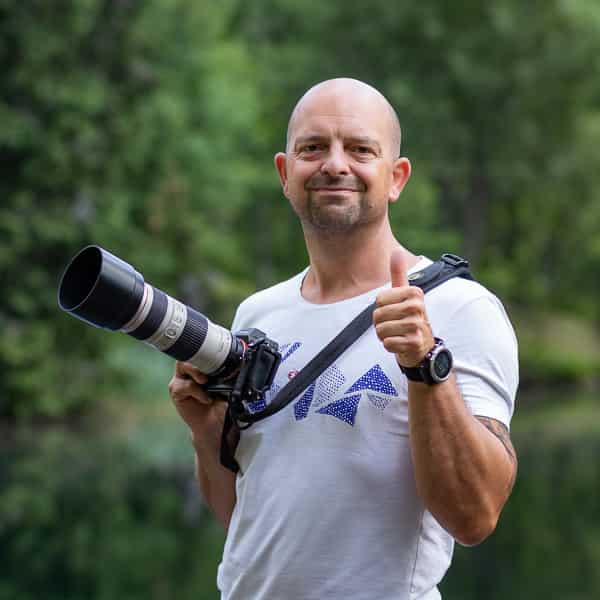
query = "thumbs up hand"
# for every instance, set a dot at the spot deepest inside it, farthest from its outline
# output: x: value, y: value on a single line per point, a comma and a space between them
x: 398, y: 269
x: 400, y: 318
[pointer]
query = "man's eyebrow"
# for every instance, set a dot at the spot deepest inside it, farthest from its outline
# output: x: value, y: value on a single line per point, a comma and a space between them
x: 355, y: 139
x: 366, y: 141
x: 303, y: 139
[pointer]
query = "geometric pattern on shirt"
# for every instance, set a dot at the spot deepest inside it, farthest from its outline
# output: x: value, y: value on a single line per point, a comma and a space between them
x: 344, y: 409
x: 257, y: 405
x: 375, y: 380
x: 378, y: 401
x: 288, y: 349
x: 302, y: 406
x: 324, y: 392
x: 374, y: 383
x: 329, y: 384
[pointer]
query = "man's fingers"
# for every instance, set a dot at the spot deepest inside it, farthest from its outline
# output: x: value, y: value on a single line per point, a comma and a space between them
x: 187, y: 370
x: 392, y: 307
x: 398, y: 268
x: 400, y: 328
x: 181, y: 389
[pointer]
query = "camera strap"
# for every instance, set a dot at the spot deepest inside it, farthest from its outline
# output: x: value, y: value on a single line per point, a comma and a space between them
x: 447, y: 267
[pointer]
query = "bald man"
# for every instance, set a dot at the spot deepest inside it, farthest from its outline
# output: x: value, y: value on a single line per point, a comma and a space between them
x: 359, y: 488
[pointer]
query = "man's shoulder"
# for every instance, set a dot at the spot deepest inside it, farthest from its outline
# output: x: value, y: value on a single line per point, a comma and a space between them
x: 455, y: 291
x: 461, y: 290
x: 269, y: 299
x: 465, y: 301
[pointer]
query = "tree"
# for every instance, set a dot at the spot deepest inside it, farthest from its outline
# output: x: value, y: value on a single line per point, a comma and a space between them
x: 499, y: 106
x: 123, y: 124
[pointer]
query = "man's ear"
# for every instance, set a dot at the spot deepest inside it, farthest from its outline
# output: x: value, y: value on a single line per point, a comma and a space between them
x: 280, y: 165
x: 400, y: 174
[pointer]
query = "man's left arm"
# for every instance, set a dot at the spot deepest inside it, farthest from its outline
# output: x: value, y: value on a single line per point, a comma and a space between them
x: 465, y: 465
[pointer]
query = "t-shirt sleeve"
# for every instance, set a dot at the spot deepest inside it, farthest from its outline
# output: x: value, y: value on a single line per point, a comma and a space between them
x: 245, y: 315
x: 235, y: 324
x: 484, y: 347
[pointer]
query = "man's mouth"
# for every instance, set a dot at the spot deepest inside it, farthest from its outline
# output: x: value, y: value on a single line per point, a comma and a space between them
x: 329, y: 184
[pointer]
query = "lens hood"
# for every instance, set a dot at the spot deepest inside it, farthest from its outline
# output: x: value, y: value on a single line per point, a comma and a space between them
x: 100, y: 288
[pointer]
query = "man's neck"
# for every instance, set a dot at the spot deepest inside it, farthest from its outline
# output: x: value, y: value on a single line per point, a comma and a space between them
x: 346, y: 265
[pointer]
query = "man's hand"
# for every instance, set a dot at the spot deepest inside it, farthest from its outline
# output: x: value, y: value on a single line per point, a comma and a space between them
x: 201, y: 413
x: 400, y: 319
x: 204, y: 416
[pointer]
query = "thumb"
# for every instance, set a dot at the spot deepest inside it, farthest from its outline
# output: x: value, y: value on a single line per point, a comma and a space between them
x: 398, y: 268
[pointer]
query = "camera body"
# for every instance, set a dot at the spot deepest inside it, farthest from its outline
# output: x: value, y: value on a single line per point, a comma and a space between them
x: 258, y: 365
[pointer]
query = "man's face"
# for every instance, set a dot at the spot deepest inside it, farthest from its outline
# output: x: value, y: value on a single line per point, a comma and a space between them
x: 340, y: 171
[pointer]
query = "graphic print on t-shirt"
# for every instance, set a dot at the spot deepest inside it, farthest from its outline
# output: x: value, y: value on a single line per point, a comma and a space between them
x: 327, y: 396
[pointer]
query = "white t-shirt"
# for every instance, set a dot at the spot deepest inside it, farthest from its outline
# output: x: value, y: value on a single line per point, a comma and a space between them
x: 327, y: 506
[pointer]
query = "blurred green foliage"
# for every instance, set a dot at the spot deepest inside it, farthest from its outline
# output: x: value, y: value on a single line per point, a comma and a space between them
x: 149, y: 128
x: 120, y: 126
x: 499, y: 105
x: 84, y: 517
x: 548, y: 542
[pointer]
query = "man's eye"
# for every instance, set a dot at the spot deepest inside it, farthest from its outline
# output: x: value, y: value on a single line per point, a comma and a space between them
x: 362, y: 149
x: 311, y: 148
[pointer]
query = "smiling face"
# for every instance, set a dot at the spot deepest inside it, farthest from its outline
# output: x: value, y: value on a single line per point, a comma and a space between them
x: 341, y: 168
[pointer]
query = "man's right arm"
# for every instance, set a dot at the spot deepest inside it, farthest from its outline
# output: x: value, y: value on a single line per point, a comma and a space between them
x: 204, y: 416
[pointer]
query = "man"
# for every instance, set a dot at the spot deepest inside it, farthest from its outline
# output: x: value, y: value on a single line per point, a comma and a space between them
x: 358, y: 489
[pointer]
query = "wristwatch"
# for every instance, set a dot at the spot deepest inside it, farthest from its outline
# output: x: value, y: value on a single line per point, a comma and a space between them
x: 434, y: 368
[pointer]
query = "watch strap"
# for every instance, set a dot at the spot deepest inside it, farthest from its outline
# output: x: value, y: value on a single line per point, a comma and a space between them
x: 416, y: 374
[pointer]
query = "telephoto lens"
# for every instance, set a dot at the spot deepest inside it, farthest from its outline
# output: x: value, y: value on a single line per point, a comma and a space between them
x: 103, y: 290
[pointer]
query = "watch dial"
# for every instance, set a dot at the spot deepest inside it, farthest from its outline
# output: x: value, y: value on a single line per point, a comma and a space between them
x: 442, y: 364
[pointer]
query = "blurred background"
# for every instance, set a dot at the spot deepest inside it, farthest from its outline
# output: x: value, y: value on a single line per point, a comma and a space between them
x: 149, y: 128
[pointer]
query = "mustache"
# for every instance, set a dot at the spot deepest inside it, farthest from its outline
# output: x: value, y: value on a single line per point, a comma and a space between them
x: 322, y: 180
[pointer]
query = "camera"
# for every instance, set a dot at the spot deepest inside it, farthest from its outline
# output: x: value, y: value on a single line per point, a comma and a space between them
x: 105, y: 291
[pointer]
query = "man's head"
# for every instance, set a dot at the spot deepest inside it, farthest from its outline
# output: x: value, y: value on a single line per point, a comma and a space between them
x: 355, y: 89
x: 342, y: 165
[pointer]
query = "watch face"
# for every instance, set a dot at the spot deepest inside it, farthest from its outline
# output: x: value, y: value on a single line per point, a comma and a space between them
x: 441, y: 365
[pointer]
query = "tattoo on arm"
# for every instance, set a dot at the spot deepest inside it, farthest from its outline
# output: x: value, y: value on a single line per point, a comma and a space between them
x: 501, y: 432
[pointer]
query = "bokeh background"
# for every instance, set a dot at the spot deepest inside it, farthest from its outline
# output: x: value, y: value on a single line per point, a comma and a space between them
x: 149, y: 128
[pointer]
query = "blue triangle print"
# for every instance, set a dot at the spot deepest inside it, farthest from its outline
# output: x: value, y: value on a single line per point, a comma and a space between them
x: 301, y: 406
x: 375, y: 380
x: 378, y: 401
x: 289, y: 350
x: 328, y: 385
x: 257, y: 405
x: 344, y: 409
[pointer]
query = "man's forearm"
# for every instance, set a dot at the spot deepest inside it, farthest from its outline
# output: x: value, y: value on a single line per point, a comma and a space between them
x: 464, y: 473
x: 217, y: 483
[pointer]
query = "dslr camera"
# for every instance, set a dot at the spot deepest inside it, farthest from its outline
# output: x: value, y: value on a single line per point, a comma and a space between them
x: 105, y: 291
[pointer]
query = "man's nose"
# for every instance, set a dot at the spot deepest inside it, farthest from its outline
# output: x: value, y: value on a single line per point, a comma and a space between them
x: 336, y: 161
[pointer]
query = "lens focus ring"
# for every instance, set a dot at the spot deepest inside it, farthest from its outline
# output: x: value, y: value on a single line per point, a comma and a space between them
x: 192, y: 337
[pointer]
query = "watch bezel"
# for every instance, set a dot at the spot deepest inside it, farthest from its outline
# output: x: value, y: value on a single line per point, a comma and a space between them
x: 424, y: 372
x: 432, y: 357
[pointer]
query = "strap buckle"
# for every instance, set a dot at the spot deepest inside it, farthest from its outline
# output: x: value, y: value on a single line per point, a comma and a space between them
x: 454, y: 260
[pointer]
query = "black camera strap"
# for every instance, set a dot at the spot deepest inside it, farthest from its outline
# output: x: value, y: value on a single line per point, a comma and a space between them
x: 449, y: 266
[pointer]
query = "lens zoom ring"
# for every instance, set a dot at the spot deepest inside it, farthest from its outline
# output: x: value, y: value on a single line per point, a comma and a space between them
x: 192, y: 337
x: 155, y: 316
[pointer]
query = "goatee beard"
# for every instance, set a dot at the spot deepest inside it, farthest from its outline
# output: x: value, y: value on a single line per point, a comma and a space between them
x: 336, y: 218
